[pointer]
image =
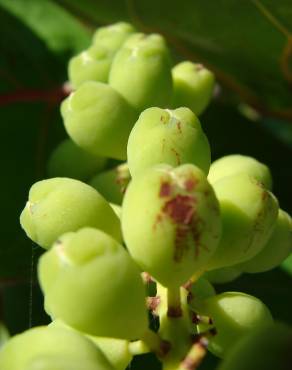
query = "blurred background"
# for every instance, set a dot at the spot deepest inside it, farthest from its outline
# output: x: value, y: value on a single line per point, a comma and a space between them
x: 246, y: 43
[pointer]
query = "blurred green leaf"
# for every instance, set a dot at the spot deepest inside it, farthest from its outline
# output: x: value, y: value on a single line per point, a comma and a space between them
x: 281, y: 129
x: 59, y: 30
x: 98, y: 12
x: 25, y: 60
x: 238, y: 39
x: 248, y: 43
x: 27, y: 132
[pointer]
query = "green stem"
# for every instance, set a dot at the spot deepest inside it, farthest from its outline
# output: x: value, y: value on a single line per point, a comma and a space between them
x: 175, y: 324
x: 174, y: 302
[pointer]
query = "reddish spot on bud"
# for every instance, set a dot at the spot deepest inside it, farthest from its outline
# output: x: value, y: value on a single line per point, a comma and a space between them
x: 178, y: 125
x: 196, y: 234
x: 174, y: 312
x: 190, y: 183
x: 180, y: 209
x: 165, y: 189
x: 165, y: 347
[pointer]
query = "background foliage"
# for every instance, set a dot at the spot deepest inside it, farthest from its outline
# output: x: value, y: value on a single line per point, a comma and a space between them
x: 247, y: 43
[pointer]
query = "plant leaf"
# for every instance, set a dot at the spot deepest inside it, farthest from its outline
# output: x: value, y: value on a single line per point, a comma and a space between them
x: 59, y: 30
x: 27, y: 131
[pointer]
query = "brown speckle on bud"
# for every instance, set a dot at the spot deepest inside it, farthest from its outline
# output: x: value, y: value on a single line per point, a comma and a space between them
x: 147, y: 278
x: 165, y: 347
x: 181, y: 210
x: 177, y: 156
x: 174, y: 312
x: 165, y: 189
x: 152, y: 303
x: 190, y: 184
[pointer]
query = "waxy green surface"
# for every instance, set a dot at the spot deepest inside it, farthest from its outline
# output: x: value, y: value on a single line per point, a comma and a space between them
x: 98, y: 119
x: 141, y: 71
x: 171, y: 222
x: 60, y: 205
x: 193, y: 86
x: 248, y: 213
x: 91, y: 283
x: 173, y: 137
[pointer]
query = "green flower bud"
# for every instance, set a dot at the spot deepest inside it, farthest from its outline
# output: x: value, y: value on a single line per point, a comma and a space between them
x: 98, y: 119
x: 171, y: 222
x: 91, y: 283
x: 59, y: 205
x: 193, y: 86
x: 141, y: 71
x: 167, y: 136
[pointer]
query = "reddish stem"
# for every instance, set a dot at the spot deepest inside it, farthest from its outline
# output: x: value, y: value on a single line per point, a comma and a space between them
x: 51, y: 96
